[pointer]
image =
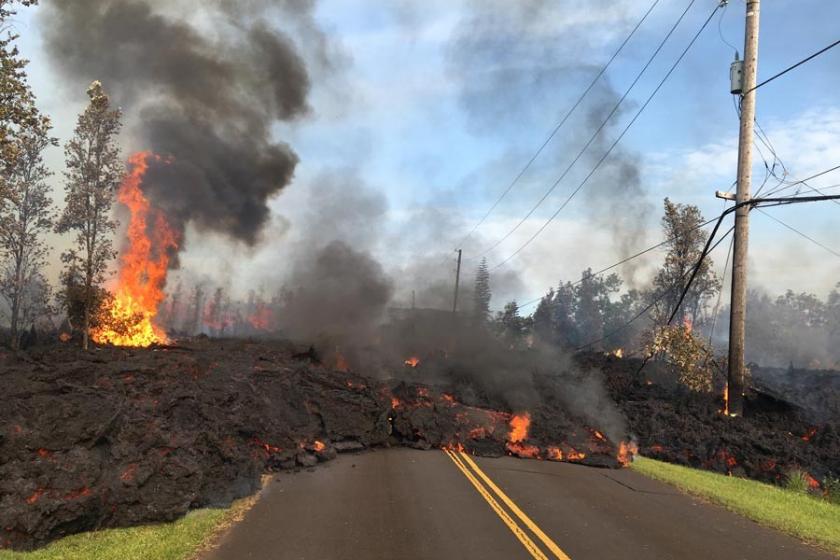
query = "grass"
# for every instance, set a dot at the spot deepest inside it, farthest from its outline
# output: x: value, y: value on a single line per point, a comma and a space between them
x: 180, y: 540
x: 806, y: 517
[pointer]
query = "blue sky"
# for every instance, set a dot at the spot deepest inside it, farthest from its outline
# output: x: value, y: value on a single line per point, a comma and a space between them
x: 417, y: 117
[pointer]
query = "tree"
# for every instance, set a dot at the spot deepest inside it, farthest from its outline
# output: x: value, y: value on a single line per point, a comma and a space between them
x: 25, y: 218
x: 94, y: 171
x: 512, y: 326
x: 681, y: 226
x: 481, y: 294
x: 17, y: 107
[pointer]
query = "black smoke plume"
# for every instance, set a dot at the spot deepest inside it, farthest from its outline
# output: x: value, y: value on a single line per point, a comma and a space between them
x: 203, y: 88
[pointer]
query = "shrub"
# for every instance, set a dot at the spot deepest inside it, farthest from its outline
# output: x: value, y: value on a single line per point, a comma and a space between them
x: 831, y: 486
x: 796, y: 480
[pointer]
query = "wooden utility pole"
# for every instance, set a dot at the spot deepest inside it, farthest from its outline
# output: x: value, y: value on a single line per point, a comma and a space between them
x: 457, y: 283
x: 735, y: 381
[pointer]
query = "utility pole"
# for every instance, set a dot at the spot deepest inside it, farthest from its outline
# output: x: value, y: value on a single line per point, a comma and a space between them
x: 735, y: 380
x: 457, y: 283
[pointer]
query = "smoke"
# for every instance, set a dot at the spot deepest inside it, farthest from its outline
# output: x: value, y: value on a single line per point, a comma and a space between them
x: 520, y: 66
x: 205, y: 93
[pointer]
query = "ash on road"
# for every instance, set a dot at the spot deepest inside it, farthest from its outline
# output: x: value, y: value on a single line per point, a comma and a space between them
x: 409, y: 504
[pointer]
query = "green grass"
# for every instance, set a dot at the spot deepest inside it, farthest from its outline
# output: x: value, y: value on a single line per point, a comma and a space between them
x: 179, y: 540
x: 806, y: 517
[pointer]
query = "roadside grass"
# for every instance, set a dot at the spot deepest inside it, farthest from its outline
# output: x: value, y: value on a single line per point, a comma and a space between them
x: 806, y: 517
x: 183, y: 539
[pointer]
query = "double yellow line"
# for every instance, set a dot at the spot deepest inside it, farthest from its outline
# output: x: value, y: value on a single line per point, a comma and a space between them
x: 487, y: 490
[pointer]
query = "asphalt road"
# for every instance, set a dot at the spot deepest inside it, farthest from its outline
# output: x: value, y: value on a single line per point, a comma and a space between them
x: 405, y: 504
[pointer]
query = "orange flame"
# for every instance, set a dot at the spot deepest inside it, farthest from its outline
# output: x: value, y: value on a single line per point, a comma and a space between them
x: 554, y: 454
x: 262, y: 318
x: 519, y: 426
x: 341, y: 363
x: 618, y: 353
x: 811, y: 433
x: 130, y: 320
x: 413, y: 361
x: 626, y: 452
x: 319, y: 446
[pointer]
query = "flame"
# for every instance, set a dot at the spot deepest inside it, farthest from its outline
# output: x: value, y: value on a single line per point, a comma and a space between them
x: 64, y: 337
x: 395, y: 402
x: 574, y: 455
x: 599, y: 435
x: 554, y: 454
x: 130, y: 319
x: 688, y: 325
x: 626, y: 452
x: 318, y: 446
x: 618, y: 353
x: 726, y: 399
x: 341, y: 363
x: 413, y: 362
x: 519, y: 426
x: 262, y: 318
x: 811, y: 433
x: 812, y: 482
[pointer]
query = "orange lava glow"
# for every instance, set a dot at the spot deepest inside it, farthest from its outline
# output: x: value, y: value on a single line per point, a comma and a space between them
x: 811, y: 433
x: 519, y: 426
x: 574, y: 455
x: 626, y: 452
x: 554, y: 454
x: 130, y: 320
x: 395, y: 402
x: 688, y: 325
x: 341, y: 363
x: 726, y: 399
x: 446, y: 397
x: 35, y: 496
x: 618, y: 353
x: 318, y: 446
x: 812, y: 482
x: 413, y: 361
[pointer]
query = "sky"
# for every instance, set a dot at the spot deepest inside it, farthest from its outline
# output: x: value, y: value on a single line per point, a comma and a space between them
x: 433, y: 108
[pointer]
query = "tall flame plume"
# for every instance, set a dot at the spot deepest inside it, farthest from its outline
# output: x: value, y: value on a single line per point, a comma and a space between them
x: 130, y: 318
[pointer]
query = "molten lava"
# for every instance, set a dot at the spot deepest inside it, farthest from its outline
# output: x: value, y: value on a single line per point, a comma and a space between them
x: 413, y: 362
x: 519, y: 426
x: 129, y: 319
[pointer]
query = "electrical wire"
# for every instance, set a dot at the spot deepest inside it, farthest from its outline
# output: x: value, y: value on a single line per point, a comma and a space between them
x: 789, y: 68
x: 659, y: 297
x: 560, y: 124
x: 612, y: 146
x: 796, y: 231
x: 626, y: 260
x: 595, y: 135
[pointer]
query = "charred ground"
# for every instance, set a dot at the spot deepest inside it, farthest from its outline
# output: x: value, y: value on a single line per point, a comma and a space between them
x: 118, y: 437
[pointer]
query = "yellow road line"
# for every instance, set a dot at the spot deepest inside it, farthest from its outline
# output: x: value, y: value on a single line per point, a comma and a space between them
x: 550, y: 544
x: 520, y: 534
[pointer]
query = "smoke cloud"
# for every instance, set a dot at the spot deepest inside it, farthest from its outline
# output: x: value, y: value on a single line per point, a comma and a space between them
x: 205, y: 96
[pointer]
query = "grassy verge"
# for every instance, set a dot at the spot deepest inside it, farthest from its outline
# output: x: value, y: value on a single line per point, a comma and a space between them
x: 180, y: 540
x: 800, y: 515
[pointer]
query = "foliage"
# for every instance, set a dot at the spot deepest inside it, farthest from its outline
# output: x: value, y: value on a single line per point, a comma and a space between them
x: 512, y: 327
x: 689, y: 355
x: 681, y: 226
x: 796, y: 480
x: 482, y: 294
x: 831, y: 486
x: 94, y: 170
x: 795, y: 513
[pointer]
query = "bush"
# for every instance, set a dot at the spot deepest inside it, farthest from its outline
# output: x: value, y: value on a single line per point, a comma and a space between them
x: 831, y: 486
x: 690, y: 355
x: 796, y: 480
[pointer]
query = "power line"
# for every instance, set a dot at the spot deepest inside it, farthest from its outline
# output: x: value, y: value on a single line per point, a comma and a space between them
x: 800, y: 63
x: 627, y: 259
x: 614, y: 144
x: 659, y: 297
x: 560, y: 124
x: 595, y: 134
x: 796, y: 231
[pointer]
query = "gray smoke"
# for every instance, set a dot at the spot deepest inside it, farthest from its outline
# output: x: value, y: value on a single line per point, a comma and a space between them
x: 520, y: 66
x: 205, y: 96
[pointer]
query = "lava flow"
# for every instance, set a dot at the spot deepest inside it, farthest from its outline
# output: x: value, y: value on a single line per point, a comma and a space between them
x: 519, y: 426
x: 129, y: 319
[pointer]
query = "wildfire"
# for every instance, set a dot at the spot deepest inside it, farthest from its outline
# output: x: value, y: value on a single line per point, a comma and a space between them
x: 262, y: 318
x: 618, y: 353
x: 412, y: 362
x: 130, y: 317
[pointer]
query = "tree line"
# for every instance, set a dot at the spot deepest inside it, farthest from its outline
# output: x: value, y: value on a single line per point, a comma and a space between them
x: 94, y: 170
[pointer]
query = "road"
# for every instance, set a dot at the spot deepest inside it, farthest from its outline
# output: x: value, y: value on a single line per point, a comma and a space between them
x: 405, y: 504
